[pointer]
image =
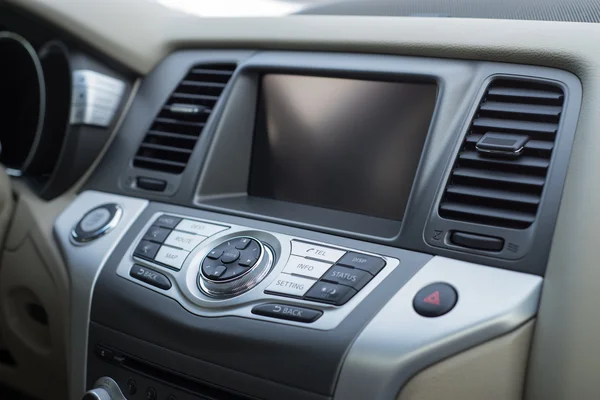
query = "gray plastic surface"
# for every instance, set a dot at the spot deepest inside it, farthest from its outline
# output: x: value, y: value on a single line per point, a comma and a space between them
x: 271, y: 352
x: 84, y: 263
x: 223, y: 188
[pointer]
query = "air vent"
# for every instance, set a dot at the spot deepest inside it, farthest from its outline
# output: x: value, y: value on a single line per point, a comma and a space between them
x: 500, y: 172
x: 170, y: 141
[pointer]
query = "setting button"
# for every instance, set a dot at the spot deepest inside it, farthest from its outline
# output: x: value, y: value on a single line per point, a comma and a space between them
x: 167, y: 221
x: 353, y: 277
x: 199, y: 227
x: 171, y: 257
x: 326, y: 292
x: 306, y: 267
x: 290, y: 285
x: 146, y: 249
x: 156, y: 234
x: 310, y: 250
x: 184, y: 240
x: 362, y: 261
x: 150, y: 277
x: 284, y: 311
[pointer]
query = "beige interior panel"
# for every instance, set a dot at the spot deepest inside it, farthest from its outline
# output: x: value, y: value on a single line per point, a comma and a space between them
x: 32, y: 274
x: 492, y: 371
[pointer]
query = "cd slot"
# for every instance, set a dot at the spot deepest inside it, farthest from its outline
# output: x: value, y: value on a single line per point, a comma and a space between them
x: 167, y: 376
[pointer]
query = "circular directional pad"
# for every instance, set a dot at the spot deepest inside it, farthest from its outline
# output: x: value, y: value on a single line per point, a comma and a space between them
x: 231, y: 259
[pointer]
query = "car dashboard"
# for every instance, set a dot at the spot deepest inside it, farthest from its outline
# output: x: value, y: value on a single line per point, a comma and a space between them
x: 299, y: 207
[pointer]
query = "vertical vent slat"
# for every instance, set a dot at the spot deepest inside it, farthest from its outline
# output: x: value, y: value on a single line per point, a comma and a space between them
x: 174, y: 132
x: 499, y: 190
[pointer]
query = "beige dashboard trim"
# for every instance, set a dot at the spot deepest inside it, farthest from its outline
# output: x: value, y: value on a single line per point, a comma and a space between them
x: 566, y: 355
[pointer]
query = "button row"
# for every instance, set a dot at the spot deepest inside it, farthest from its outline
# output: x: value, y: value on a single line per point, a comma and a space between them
x: 170, y: 239
x: 324, y: 274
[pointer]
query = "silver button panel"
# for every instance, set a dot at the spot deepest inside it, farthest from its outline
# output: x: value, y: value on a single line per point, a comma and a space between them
x: 298, y: 265
x: 95, y: 98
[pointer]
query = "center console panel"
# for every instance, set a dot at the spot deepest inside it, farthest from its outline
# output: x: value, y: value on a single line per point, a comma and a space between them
x: 319, y: 225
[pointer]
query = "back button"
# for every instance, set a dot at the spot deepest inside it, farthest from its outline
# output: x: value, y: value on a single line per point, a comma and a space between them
x: 290, y: 313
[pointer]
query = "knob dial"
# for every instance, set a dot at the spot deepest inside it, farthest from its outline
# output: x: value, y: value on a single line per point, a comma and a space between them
x: 104, y: 389
x: 97, y: 394
x: 234, y: 267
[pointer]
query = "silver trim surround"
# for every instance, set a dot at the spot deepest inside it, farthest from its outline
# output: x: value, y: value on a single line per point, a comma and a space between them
x: 84, y: 264
x: 109, y: 226
x: 398, y: 342
x: 95, y: 98
x: 185, y: 281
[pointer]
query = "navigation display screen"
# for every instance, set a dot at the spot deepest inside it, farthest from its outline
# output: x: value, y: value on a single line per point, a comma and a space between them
x: 344, y: 144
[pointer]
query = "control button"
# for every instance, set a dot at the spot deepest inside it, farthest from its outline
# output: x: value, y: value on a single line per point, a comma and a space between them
x: 184, y: 240
x: 171, y: 257
x: 95, y: 219
x: 97, y: 222
x: 199, y: 227
x: 233, y: 271
x: 146, y: 249
x: 477, y: 242
x: 330, y: 293
x: 131, y: 387
x: 155, y: 185
x: 243, y: 243
x: 150, y: 393
x: 435, y: 300
x: 215, y: 254
x: 217, y: 271
x: 284, y: 311
x: 167, y: 221
x: 150, y: 276
x: 362, y: 261
x: 353, y: 277
x: 104, y: 353
x: 306, y: 267
x: 248, y: 261
x: 290, y: 285
x: 230, y: 256
x: 315, y: 251
x: 156, y: 234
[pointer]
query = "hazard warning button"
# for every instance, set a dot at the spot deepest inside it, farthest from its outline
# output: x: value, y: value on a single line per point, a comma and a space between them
x: 435, y: 300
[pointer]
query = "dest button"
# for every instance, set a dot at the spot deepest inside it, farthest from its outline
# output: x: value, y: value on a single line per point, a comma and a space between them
x: 435, y: 300
x: 290, y: 313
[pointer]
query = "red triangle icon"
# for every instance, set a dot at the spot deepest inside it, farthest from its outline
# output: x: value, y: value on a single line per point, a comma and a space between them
x: 433, y: 298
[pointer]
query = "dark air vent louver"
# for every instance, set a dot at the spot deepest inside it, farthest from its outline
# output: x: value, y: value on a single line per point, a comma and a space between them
x: 175, y: 130
x: 500, y: 190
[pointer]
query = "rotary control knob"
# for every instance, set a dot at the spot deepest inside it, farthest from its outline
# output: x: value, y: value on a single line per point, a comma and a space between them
x: 104, y: 389
x: 234, y: 267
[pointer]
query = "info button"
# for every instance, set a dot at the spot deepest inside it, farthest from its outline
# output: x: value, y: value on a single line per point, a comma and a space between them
x: 305, y: 267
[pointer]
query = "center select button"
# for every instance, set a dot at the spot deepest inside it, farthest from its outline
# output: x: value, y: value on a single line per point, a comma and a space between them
x: 306, y: 267
x: 171, y: 257
x: 290, y: 285
x: 183, y: 240
x: 314, y: 251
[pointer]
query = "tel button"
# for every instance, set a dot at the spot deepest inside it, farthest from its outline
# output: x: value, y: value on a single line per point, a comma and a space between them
x: 435, y: 300
x: 284, y: 311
